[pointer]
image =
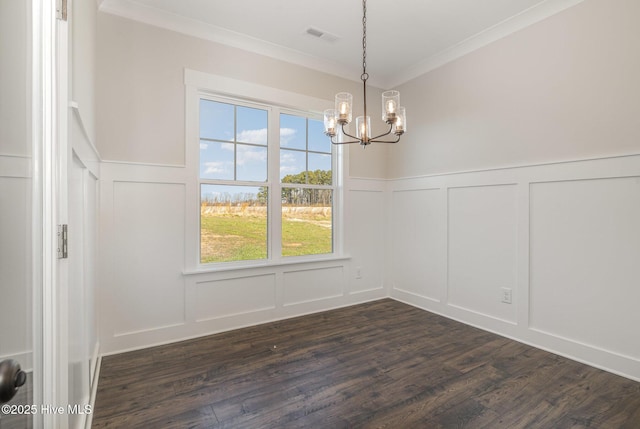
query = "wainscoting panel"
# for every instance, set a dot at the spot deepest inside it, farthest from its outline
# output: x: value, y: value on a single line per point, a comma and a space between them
x: 148, y: 254
x: 564, y: 238
x: 585, y: 262
x: 312, y: 285
x: 418, y: 237
x: 483, y: 249
x: 15, y: 262
x: 149, y: 294
x: 366, y: 221
x: 234, y: 297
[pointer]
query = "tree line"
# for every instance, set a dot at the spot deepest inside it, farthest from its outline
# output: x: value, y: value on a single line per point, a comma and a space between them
x: 290, y: 195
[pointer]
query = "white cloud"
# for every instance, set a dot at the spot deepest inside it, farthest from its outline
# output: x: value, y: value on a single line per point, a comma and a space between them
x: 286, y: 135
x: 248, y: 154
x: 253, y: 136
x: 203, y: 146
x: 215, y: 167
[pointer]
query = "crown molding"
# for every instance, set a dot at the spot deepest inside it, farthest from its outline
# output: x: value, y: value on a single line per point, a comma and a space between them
x: 503, y: 29
x: 191, y: 27
x: 160, y: 18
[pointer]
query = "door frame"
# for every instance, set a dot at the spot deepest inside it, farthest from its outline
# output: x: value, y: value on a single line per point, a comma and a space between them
x: 50, y: 153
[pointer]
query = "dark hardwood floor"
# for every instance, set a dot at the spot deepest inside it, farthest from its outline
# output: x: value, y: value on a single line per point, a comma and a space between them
x: 381, y: 364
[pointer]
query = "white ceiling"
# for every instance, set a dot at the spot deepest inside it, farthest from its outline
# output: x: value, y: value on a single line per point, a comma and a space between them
x: 405, y: 38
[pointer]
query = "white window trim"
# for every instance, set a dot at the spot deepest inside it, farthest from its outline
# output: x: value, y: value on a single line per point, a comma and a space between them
x: 198, y: 83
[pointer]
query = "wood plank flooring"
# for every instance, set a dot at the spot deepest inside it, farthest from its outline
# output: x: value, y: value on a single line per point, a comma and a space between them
x: 377, y: 365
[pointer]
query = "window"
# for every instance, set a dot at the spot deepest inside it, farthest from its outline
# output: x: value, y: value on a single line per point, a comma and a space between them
x: 233, y: 177
x: 266, y: 182
x: 306, y: 186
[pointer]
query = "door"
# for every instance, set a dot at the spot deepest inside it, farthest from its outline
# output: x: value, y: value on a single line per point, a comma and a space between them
x: 17, y: 217
x: 28, y: 161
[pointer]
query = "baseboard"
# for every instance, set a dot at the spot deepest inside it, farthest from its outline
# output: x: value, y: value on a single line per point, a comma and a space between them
x: 588, y: 355
x: 94, y: 389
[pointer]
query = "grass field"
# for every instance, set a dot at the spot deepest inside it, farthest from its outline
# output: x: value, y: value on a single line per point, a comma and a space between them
x: 240, y: 236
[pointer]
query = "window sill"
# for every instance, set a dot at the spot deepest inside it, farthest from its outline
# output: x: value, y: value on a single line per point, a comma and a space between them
x: 265, y: 264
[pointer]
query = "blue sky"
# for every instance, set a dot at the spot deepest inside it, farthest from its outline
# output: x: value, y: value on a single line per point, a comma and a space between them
x: 250, y: 134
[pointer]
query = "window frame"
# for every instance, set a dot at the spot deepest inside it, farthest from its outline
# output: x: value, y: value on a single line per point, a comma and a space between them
x: 227, y: 90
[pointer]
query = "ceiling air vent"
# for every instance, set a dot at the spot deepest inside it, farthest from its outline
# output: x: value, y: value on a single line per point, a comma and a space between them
x: 320, y: 34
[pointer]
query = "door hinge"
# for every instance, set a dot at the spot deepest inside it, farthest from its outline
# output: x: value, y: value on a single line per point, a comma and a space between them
x: 61, y: 10
x: 63, y: 240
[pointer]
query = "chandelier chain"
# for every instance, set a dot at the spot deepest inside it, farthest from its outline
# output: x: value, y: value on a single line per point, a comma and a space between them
x: 365, y: 75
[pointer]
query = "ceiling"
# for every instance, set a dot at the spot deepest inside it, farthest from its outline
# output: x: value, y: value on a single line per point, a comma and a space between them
x: 405, y: 38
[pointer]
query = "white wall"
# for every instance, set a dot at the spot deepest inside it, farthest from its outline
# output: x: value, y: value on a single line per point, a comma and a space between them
x: 140, y: 90
x: 521, y: 170
x: 532, y: 214
x: 147, y: 298
x: 563, y: 237
x: 15, y: 184
x: 149, y: 293
x: 563, y: 89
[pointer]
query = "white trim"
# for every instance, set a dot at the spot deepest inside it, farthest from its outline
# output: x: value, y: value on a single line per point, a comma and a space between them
x: 513, y: 167
x: 535, y: 342
x: 204, y: 85
x: 170, y: 21
x: 520, y: 328
x: 16, y: 166
x: 285, y: 261
x: 191, y: 27
x: 499, y: 31
x: 235, y: 88
x: 141, y: 164
x: 47, y: 377
x: 24, y: 358
x: 76, y: 110
x: 62, y: 160
x: 95, y: 373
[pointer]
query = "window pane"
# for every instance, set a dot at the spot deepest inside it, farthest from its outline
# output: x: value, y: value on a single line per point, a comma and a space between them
x: 216, y: 120
x: 251, y: 125
x: 293, y: 165
x: 233, y: 223
x: 307, y: 221
x: 321, y: 163
x: 293, y: 132
x: 251, y: 163
x: 318, y: 141
x: 216, y: 160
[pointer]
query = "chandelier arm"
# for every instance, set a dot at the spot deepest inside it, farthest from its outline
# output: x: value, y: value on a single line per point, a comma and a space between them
x: 348, y: 135
x: 385, y: 141
x: 347, y: 142
x: 384, y: 134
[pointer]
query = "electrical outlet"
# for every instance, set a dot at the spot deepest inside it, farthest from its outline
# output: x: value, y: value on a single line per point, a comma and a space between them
x: 358, y: 272
x: 506, y: 295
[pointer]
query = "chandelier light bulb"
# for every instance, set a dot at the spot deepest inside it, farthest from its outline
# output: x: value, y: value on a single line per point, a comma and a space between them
x: 330, y: 122
x: 390, y: 103
x: 363, y: 128
x: 401, y: 121
x: 344, y: 101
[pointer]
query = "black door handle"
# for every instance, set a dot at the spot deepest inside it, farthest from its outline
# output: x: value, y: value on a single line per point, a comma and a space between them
x: 12, y: 377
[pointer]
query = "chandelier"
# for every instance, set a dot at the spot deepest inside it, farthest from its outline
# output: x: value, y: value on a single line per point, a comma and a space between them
x: 392, y: 113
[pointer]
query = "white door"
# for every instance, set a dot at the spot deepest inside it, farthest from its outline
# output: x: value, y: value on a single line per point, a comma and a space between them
x: 28, y: 213
x: 18, y: 218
